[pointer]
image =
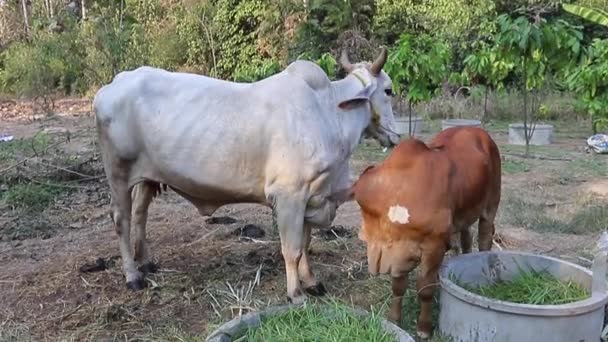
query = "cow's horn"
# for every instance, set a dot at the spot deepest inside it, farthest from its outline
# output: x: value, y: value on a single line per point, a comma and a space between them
x: 379, y: 62
x: 346, y: 64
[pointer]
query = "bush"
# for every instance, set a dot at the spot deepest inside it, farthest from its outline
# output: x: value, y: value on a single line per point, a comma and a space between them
x: 326, y: 21
x: 459, y: 23
x: 51, y: 62
x: 235, y: 25
x: 257, y: 71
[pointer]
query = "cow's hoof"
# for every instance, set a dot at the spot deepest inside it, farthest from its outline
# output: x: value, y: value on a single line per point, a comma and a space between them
x: 297, y: 299
x: 136, y: 285
x: 148, y: 267
x: 394, y: 317
x: 316, y: 290
x: 423, y: 336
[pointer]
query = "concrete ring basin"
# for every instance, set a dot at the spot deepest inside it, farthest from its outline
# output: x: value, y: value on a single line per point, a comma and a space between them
x: 466, y: 316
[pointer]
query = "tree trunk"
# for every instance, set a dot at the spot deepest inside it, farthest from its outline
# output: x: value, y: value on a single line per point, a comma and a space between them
x: 593, y: 125
x: 525, y: 95
x: 25, y: 17
x: 410, y: 118
x: 485, y: 106
x: 84, y: 9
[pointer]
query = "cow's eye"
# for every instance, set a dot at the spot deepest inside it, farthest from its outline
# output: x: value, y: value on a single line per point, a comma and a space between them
x: 389, y: 92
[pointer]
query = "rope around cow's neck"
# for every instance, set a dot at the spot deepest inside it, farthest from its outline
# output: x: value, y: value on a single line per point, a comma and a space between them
x: 375, y: 115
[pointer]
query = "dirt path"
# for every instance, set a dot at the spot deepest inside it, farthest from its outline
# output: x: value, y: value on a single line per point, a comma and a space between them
x: 43, y: 293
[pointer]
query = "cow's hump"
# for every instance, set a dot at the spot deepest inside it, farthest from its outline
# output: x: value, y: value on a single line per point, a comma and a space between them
x: 311, y: 73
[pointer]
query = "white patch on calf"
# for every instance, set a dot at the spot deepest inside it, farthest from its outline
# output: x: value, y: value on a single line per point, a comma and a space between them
x: 398, y: 214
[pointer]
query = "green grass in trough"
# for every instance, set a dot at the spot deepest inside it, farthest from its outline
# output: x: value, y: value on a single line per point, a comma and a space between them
x: 538, y: 288
x: 331, y: 322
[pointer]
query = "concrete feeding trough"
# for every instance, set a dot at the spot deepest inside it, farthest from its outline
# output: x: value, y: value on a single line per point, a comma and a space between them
x: 449, y: 123
x: 542, y: 134
x: 238, y: 327
x: 465, y: 316
x: 402, y: 124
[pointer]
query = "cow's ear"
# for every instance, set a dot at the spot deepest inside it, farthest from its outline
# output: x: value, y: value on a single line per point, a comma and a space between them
x: 344, y: 195
x: 352, y: 102
x: 359, y: 99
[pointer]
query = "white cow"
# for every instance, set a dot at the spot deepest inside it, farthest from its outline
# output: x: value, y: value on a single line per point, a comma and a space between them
x: 284, y: 142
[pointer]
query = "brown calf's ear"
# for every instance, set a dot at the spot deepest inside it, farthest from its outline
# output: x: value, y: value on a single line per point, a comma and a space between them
x: 367, y: 169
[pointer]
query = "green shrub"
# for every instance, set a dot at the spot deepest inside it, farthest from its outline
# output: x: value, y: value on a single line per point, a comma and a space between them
x: 51, y: 62
x: 31, y: 196
x: 257, y: 71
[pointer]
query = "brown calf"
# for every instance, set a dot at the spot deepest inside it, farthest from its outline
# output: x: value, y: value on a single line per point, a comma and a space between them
x: 413, y: 202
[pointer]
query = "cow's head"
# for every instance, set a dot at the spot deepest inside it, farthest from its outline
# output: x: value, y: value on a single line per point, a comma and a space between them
x: 378, y: 90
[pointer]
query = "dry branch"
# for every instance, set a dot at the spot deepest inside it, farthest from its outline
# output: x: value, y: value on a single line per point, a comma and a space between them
x: 68, y: 138
x: 531, y: 156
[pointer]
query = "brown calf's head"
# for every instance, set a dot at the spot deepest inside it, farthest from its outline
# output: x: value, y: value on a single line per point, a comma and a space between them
x: 388, y: 251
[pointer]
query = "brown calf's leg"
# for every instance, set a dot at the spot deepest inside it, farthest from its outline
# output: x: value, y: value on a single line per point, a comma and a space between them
x: 121, y: 215
x: 486, y: 221
x: 432, y: 256
x: 399, y: 287
x: 143, y: 193
x: 311, y: 285
x: 486, y: 234
x: 465, y: 240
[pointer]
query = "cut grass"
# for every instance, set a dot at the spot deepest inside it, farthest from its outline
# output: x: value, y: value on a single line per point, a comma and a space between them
x: 332, y: 321
x: 532, y: 287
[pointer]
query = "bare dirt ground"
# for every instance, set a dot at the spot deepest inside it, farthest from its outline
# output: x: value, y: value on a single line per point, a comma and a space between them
x: 552, y: 204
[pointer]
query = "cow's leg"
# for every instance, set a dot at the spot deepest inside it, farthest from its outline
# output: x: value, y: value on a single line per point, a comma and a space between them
x: 121, y: 216
x: 143, y: 193
x: 465, y: 239
x: 399, y: 287
x: 311, y: 285
x: 432, y: 256
x: 290, y: 220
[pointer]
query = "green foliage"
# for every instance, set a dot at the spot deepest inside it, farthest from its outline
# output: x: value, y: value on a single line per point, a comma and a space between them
x: 459, y: 23
x: 537, y: 50
x: 13, y: 149
x: 239, y: 20
x: 417, y: 66
x: 106, y: 41
x: 246, y: 40
x: 487, y: 67
x: 394, y: 17
x: 533, y: 51
x: 327, y: 62
x: 31, y: 197
x: 53, y: 63
x: 590, y: 81
x: 326, y: 20
x: 252, y: 73
x: 194, y: 29
x: 595, y: 15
